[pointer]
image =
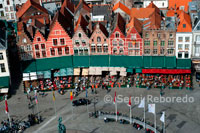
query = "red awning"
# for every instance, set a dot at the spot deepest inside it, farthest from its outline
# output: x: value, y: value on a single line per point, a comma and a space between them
x: 166, y: 71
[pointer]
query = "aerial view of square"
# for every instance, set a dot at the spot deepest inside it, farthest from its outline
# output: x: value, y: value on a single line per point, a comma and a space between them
x: 99, y: 66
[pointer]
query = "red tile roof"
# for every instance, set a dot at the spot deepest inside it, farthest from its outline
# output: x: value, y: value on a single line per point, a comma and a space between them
x: 27, y: 5
x: 121, y: 6
x: 152, y: 5
x: 154, y: 21
x: 184, y: 20
x: 141, y: 13
x: 134, y: 23
x: 67, y: 4
x: 84, y: 6
x: 178, y: 3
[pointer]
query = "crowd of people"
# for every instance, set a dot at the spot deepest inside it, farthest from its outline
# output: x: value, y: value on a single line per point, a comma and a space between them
x: 137, y: 80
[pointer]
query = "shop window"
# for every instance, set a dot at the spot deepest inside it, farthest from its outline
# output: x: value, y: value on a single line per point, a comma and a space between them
x: 66, y: 50
x: 99, y: 49
x: 59, y: 51
x: 186, y: 55
x: 121, y: 51
x: 170, y: 51
x: 75, y: 51
x: 105, y: 49
x: 155, y: 51
x: 52, y: 51
x: 3, y: 69
x: 1, y: 56
x: 114, y: 51
x: 93, y: 49
x: 37, y: 54
x: 147, y: 51
x: 179, y: 55
x: 44, y: 53
x: 86, y: 51
x: 162, y: 51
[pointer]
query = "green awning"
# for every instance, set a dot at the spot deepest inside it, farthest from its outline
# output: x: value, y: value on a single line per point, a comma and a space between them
x: 81, y: 61
x: 183, y: 63
x: 29, y: 66
x: 170, y: 61
x: 147, y: 60
x: 129, y: 70
x: 157, y: 62
x: 138, y: 70
x: 101, y: 61
x: 4, y: 82
x: 47, y: 74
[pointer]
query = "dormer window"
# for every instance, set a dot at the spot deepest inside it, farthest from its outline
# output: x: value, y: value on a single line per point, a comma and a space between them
x: 182, y: 7
x: 184, y: 25
x: 79, y: 35
x: 38, y: 39
x: 117, y: 35
x: 24, y: 40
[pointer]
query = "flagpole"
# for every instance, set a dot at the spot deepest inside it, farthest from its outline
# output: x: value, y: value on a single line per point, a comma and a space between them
x: 37, y: 104
x: 130, y: 115
x: 116, y: 109
x: 9, y: 119
x: 155, y: 118
x: 144, y: 115
x: 164, y: 124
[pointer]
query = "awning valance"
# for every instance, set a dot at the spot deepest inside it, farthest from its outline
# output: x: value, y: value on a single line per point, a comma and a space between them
x: 166, y: 71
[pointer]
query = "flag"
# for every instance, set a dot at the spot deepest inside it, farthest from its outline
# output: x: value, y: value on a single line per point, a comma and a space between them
x: 141, y: 105
x: 162, y: 118
x: 6, y: 105
x: 129, y: 103
x: 115, y: 98
x: 36, y: 100
x: 151, y: 108
x: 54, y: 98
x: 71, y: 96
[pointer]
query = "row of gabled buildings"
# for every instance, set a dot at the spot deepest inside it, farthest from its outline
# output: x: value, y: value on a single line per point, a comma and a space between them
x: 120, y: 28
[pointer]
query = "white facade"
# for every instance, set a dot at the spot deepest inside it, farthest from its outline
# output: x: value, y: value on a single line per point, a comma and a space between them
x: 183, y: 45
x: 4, y: 71
x: 9, y: 9
x: 158, y: 3
x: 196, y: 44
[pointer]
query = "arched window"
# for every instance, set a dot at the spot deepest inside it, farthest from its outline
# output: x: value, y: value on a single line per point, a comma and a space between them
x: 114, y: 50
x: 121, y: 43
x: 98, y: 39
x: 121, y: 51
x: 117, y: 35
x: 114, y: 42
x: 79, y: 35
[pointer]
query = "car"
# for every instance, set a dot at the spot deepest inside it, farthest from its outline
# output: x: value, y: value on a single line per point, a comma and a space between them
x: 81, y: 101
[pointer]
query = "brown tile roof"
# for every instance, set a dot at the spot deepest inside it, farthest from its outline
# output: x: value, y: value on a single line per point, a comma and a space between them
x: 82, y: 23
x: 171, y: 13
x: 141, y: 13
x: 83, y: 5
x: 27, y: 5
x: 121, y: 6
x: 154, y: 22
x: 152, y: 5
x: 134, y: 23
x: 67, y: 4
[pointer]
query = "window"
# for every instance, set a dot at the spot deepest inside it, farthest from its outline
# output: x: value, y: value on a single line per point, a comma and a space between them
x: 98, y: 39
x: 44, y: 53
x: 117, y: 35
x: 147, y: 35
x: 155, y: 51
x: 158, y: 35
x: 3, y: 69
x: 121, y: 43
x: 179, y: 55
x: 154, y: 43
x: 130, y: 44
x: 184, y: 25
x: 114, y: 43
x: 1, y: 13
x: 59, y: 51
x: 86, y: 51
x: 93, y: 49
x: 121, y: 51
x: 24, y: 40
x: 162, y: 51
x: 43, y: 46
x: 1, y: 56
x: 38, y: 39
x: 75, y: 51
x: 137, y: 52
x: 66, y: 50
x: 79, y: 35
x: 187, y: 39
x: 77, y: 42
x: 104, y: 40
x: 6, y: 9
x: 130, y: 52
x: 83, y: 42
x: 170, y: 51
x: 57, y: 32
x: 62, y: 41
x: 114, y: 51
x: 8, y: 2
x: 99, y: 49
x: 133, y: 36
x: 146, y: 51
x: 12, y: 15
x: 137, y: 44
x: 7, y: 16
x: 37, y: 54
x: 180, y: 39
x: 55, y: 42
x: 182, y: 7
x: 170, y: 43
x: 186, y: 55
x: 180, y: 46
x: 162, y: 43
x: 52, y: 51
x: 198, y: 27
x: 198, y: 38
x: 1, y: 6
x: 171, y: 35
x: 186, y: 46
x: 80, y: 51
x: 36, y: 47
x: 28, y: 47
x: 147, y: 43
x: 21, y: 48
x: 105, y: 49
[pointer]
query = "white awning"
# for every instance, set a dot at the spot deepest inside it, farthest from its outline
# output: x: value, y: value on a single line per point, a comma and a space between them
x: 105, y: 44
x: 33, y: 77
x: 26, y: 78
x: 4, y: 90
x: 85, y: 71
x: 123, y: 73
x: 77, y: 71
x: 25, y: 74
x: 105, y: 68
x: 99, y: 44
x: 92, y: 44
x: 33, y: 74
